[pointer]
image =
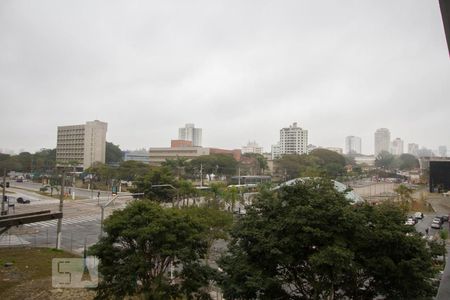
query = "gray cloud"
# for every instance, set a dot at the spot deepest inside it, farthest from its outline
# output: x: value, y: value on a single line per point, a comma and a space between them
x: 241, y: 70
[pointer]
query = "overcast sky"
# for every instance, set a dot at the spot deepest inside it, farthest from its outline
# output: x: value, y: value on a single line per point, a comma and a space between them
x: 241, y: 70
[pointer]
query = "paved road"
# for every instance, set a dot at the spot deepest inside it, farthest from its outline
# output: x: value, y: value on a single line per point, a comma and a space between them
x: 81, y: 193
x: 81, y: 220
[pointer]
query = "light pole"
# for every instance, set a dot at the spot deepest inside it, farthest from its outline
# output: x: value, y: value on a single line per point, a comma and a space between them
x: 170, y: 186
x: 102, y: 207
x: 3, y: 193
x: 61, y: 200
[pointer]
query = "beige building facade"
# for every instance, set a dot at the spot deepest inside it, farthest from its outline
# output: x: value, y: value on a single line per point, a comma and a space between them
x: 84, y: 144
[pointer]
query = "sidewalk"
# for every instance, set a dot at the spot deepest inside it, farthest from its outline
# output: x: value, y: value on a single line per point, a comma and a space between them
x: 441, y: 205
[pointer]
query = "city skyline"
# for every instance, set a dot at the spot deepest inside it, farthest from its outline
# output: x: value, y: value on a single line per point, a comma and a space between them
x: 240, y: 71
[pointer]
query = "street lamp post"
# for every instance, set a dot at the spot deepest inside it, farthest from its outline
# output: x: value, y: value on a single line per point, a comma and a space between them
x: 61, y: 200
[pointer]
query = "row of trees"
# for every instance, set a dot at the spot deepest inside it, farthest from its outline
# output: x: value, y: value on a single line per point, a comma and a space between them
x: 44, y: 161
x: 388, y: 161
x: 299, y: 242
x: 320, y: 162
x: 181, y: 168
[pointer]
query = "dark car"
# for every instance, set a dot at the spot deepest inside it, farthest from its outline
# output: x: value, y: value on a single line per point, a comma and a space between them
x: 444, y: 218
x: 22, y: 201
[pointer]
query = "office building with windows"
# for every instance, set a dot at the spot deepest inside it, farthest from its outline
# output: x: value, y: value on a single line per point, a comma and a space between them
x: 81, y: 144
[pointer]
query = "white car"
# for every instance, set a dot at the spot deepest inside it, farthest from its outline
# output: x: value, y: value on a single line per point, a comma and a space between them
x: 410, y: 222
x: 436, y: 224
x: 418, y: 215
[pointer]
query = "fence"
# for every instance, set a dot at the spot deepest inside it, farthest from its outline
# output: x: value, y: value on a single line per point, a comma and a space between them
x: 73, y: 241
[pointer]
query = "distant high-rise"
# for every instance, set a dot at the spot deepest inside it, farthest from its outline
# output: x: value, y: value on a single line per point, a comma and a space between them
x: 442, y: 151
x: 293, y: 140
x: 352, y: 145
x: 382, y: 140
x: 276, y: 151
x: 190, y: 133
x: 413, y: 149
x: 82, y: 144
x: 397, y: 146
x: 252, y: 147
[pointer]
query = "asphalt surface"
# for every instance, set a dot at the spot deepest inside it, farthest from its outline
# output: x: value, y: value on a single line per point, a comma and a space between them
x: 81, y: 193
x: 81, y: 217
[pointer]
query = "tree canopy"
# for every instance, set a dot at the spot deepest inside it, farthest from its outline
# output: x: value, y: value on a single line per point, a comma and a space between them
x: 113, y: 153
x: 142, y: 242
x: 307, y: 241
x: 319, y: 163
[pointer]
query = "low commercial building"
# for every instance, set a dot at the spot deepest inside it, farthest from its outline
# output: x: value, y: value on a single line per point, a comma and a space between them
x: 137, y: 155
x: 160, y: 155
x: 180, y: 143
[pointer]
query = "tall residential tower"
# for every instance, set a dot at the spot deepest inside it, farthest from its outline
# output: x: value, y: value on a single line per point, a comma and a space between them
x: 382, y: 140
x: 352, y: 145
x: 293, y: 140
x: 190, y: 133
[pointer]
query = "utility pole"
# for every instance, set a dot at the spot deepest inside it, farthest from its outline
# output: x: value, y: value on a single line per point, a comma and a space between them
x: 239, y: 175
x: 201, y: 174
x: 61, y: 199
x: 3, y: 192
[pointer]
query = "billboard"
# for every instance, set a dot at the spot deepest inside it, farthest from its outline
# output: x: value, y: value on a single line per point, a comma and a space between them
x: 439, y: 176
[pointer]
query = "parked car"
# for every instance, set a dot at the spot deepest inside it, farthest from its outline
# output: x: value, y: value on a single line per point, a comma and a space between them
x: 22, y: 201
x: 437, y: 223
x: 418, y: 215
x: 410, y: 221
x: 444, y: 218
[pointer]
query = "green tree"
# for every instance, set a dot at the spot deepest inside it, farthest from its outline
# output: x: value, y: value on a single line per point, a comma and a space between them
x: 443, y: 234
x: 404, y: 194
x: 407, y: 162
x: 217, y: 221
x: 308, y: 242
x: 219, y: 164
x: 101, y: 172
x: 231, y: 196
x: 186, y: 190
x: 177, y: 166
x: 142, y: 242
x: 130, y: 170
x: 150, y: 185
x: 217, y: 190
x: 385, y: 160
x: 259, y: 162
x: 292, y: 166
x: 113, y: 153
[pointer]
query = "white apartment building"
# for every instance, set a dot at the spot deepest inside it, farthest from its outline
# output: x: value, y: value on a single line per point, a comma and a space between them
x: 382, y: 140
x: 276, y: 151
x: 84, y: 144
x: 190, y: 133
x: 397, y: 146
x: 293, y: 140
x: 352, y: 145
x: 252, y: 147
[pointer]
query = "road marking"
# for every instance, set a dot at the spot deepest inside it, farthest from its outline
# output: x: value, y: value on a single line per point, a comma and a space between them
x: 69, y: 221
x: 12, y: 240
